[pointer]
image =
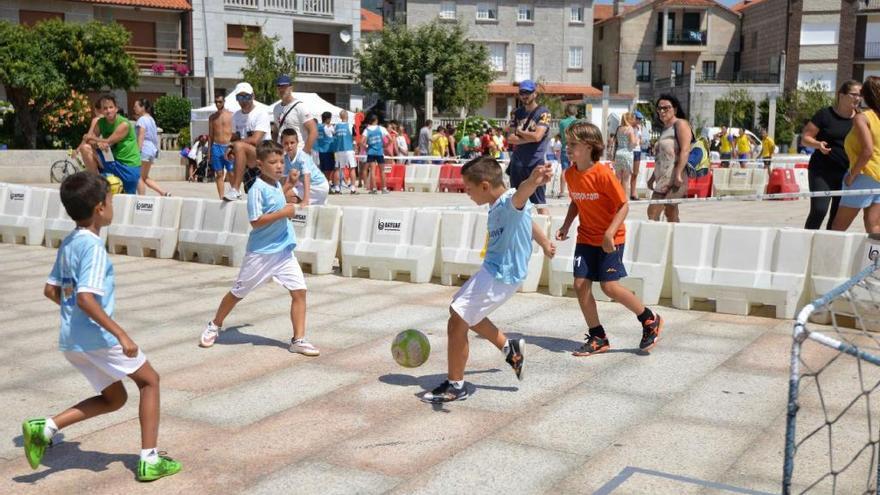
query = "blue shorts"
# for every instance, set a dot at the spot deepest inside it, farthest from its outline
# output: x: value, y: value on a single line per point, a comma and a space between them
x: 219, y: 161
x: 518, y: 175
x: 862, y: 182
x: 637, y: 156
x: 380, y: 159
x: 593, y: 263
x: 127, y: 174
x: 327, y: 161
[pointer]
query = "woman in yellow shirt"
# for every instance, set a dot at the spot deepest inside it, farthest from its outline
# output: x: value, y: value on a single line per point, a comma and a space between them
x: 743, y: 147
x: 862, y: 146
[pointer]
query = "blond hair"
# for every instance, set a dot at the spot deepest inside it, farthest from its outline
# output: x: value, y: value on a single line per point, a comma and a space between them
x: 628, y: 119
x: 586, y: 133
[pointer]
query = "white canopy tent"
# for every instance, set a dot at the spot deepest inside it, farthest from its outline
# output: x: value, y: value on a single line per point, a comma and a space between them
x: 315, y: 104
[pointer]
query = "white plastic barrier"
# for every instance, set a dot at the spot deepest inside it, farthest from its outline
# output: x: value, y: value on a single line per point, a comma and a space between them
x: 836, y: 257
x: 802, y: 177
x: 209, y: 232
x: 317, y: 236
x: 58, y: 222
x: 738, y: 181
x: 740, y: 266
x: 642, y: 182
x: 645, y: 257
x: 144, y: 225
x: 462, y: 239
x: 422, y: 178
x: 386, y: 241
x: 23, y: 214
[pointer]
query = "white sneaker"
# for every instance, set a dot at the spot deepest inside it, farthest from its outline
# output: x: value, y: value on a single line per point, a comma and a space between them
x: 303, y: 347
x: 354, y: 190
x: 209, y: 335
x: 231, y: 195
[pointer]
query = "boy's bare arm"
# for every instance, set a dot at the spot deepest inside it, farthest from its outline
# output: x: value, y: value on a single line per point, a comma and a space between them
x: 540, y: 236
x: 53, y: 293
x: 566, y: 224
x: 89, y: 305
x: 618, y: 219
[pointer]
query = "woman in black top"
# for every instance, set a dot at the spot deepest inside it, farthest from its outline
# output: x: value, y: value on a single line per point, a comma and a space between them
x: 825, y: 132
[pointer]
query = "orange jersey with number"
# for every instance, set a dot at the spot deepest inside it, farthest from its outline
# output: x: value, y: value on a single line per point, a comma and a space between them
x: 598, y: 197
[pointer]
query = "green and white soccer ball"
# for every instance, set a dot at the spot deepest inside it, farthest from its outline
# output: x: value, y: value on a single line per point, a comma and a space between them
x: 411, y: 348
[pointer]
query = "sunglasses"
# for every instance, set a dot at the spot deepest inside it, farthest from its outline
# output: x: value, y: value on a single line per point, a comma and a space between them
x: 855, y: 95
x: 244, y: 97
x: 525, y: 93
x: 664, y: 108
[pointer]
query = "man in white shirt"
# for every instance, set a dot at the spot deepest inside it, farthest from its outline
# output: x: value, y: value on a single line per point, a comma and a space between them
x: 293, y: 114
x: 253, y: 126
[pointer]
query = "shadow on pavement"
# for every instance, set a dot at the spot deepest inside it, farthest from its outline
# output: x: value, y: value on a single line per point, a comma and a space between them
x: 67, y: 455
x: 234, y: 336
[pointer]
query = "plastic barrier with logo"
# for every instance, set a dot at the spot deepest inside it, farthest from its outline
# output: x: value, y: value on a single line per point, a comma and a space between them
x: 58, y: 222
x: 209, y: 232
x: 387, y: 241
x: 144, y: 225
x: 422, y: 177
x: 23, y: 214
x: 738, y: 181
x: 740, y: 266
x: 317, y: 236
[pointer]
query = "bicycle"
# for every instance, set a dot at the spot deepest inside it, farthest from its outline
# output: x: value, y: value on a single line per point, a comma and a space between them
x: 66, y: 166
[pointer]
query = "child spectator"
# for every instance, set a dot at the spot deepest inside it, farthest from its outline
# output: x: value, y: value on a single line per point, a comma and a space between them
x: 310, y: 185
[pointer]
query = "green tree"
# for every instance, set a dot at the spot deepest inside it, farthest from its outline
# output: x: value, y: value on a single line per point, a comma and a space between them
x: 736, y: 109
x: 173, y: 113
x: 794, y: 109
x: 395, y: 61
x: 264, y: 62
x: 39, y: 66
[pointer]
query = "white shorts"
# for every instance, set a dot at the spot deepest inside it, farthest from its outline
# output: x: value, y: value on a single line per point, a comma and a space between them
x: 317, y: 194
x: 346, y: 159
x: 481, y: 295
x: 257, y: 268
x: 104, y: 367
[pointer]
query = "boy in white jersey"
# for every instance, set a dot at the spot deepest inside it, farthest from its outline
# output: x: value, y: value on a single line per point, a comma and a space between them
x: 505, y: 266
x: 309, y: 186
x: 82, y: 284
x: 269, y: 251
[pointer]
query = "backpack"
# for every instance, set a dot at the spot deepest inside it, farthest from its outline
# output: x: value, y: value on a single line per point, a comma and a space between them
x: 698, y: 163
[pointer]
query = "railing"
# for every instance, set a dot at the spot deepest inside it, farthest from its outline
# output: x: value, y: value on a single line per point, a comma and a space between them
x: 685, y: 38
x: 160, y: 61
x: 318, y: 8
x: 869, y: 5
x: 325, y: 66
x: 872, y: 49
x: 738, y: 77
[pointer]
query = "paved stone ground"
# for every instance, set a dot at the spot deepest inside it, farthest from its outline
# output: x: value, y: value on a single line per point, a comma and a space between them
x: 704, y: 413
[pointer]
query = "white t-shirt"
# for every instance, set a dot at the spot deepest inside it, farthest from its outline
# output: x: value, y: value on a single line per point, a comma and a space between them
x: 255, y: 120
x: 296, y: 119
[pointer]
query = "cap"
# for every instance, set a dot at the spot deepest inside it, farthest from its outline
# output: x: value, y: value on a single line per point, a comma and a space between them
x: 528, y: 85
x: 244, y: 88
x: 639, y: 115
x: 283, y: 80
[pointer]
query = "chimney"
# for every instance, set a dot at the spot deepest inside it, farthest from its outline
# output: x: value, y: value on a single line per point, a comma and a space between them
x: 616, y: 9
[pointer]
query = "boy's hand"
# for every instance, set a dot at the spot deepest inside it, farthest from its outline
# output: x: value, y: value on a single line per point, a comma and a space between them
x: 289, y: 210
x: 542, y: 174
x: 549, y: 249
x: 562, y: 234
x: 129, y: 348
x: 608, y: 243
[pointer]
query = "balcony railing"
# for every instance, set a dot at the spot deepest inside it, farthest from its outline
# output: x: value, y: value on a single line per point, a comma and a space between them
x: 316, y: 8
x: 868, y: 5
x: 160, y: 61
x: 325, y: 66
x: 872, y: 49
x: 684, y: 38
x: 739, y: 77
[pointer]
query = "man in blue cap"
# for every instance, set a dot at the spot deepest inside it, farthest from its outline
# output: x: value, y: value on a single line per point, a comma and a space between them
x: 291, y: 113
x: 530, y: 136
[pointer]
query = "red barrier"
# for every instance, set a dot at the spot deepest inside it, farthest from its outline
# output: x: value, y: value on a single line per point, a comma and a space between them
x: 782, y: 180
x: 450, y: 178
x: 700, y: 187
x: 801, y: 165
x: 396, y: 177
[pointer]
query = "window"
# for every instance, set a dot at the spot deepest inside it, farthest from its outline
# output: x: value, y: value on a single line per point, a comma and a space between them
x: 235, y: 36
x: 576, y: 14
x: 826, y: 78
x: 600, y: 81
x: 575, y: 57
x: 774, y: 65
x: 487, y: 11
x: 643, y: 70
x: 708, y: 70
x: 819, y: 34
x: 525, y: 13
x: 447, y: 10
x: 31, y: 17
x: 497, y: 56
x: 678, y: 67
x: 523, y: 62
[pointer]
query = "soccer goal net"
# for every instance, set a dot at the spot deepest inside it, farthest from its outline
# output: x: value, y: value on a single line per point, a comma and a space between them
x: 832, y: 440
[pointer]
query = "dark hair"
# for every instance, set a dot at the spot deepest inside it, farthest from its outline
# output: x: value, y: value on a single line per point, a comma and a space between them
x: 428, y: 123
x: 679, y: 113
x: 374, y: 119
x: 267, y: 148
x: 848, y: 86
x: 483, y: 168
x: 81, y: 192
x: 326, y: 116
x: 289, y: 132
x: 147, y: 105
x: 871, y: 93
x: 586, y: 133
x: 571, y: 110
x: 105, y: 97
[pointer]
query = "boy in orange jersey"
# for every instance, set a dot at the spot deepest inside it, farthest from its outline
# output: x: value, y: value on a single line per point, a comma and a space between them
x: 601, y: 206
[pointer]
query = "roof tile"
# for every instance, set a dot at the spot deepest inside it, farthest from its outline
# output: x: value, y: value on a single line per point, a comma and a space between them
x: 152, y: 4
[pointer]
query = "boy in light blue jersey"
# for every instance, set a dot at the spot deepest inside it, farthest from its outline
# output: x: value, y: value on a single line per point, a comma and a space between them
x: 269, y: 251
x: 373, y: 142
x: 326, y: 148
x: 305, y: 183
x: 82, y: 284
x: 505, y: 266
x: 345, y: 160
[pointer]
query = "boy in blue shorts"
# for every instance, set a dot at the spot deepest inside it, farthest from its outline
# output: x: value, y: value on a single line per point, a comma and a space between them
x: 269, y: 251
x: 111, y: 147
x: 505, y: 266
x: 82, y: 284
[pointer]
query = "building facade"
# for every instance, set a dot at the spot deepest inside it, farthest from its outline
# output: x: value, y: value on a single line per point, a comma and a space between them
x: 323, y: 33
x: 866, y: 41
x: 549, y: 41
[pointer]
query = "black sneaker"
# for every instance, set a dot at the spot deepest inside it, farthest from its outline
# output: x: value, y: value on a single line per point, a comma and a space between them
x: 593, y: 345
x: 651, y: 333
x: 446, y: 392
x: 515, y: 356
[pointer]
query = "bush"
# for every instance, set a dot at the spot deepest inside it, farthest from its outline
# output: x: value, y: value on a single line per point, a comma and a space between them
x: 63, y: 124
x: 183, y: 138
x: 172, y: 113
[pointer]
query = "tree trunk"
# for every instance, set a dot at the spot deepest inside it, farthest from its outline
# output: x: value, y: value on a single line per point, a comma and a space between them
x: 26, y: 116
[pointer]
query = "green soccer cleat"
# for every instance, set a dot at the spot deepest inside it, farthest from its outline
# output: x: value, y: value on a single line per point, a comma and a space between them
x: 166, y: 466
x: 34, y: 443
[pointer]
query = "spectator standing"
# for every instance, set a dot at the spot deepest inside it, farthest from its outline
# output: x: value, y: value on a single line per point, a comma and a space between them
x: 862, y: 146
x: 743, y: 148
x: 425, y: 140
x: 826, y: 132
x: 637, y: 153
x: 373, y: 142
x: 528, y: 132
x: 325, y: 146
x: 390, y: 144
x: 295, y: 114
x: 219, y: 138
x: 623, y: 141
x: 570, y: 118
x: 439, y: 143
x: 345, y: 158
x: 148, y: 143
x: 253, y: 126
x: 767, y: 148
x: 671, y: 152
x: 725, y: 146
x: 450, y: 138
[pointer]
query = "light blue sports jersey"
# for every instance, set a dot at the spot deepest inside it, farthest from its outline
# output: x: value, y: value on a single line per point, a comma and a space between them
x: 510, y: 240
x: 344, y: 139
x: 306, y: 165
x: 325, y: 142
x: 81, y: 265
x: 374, y: 141
x: 274, y: 237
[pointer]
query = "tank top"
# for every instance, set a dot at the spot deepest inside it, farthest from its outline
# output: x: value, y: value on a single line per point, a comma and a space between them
x: 126, y: 150
x: 374, y: 140
x: 853, y: 146
x: 343, y: 137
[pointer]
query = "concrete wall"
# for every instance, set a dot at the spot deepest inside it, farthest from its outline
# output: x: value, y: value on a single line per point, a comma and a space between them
x: 33, y: 166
